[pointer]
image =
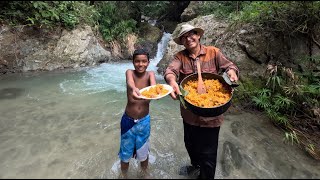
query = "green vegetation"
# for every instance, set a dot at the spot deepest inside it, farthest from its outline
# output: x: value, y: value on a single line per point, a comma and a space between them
x: 289, y: 18
x: 290, y: 99
x: 153, y: 9
x: 222, y: 9
x: 280, y: 16
x: 113, y: 23
x: 48, y: 14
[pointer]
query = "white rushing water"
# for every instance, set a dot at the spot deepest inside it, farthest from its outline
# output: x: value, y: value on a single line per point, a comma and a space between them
x: 111, y: 76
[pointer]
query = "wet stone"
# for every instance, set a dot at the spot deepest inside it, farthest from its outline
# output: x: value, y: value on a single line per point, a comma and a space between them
x: 290, y: 171
x: 236, y: 128
x: 249, y: 163
x: 231, y: 158
x: 55, y: 162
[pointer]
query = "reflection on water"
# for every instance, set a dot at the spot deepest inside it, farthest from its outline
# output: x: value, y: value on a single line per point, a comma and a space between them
x: 10, y: 93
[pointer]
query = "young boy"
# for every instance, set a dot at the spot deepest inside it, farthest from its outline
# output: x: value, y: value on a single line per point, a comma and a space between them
x: 135, y: 122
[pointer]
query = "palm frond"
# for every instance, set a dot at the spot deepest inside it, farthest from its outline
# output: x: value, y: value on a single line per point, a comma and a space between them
x: 282, y: 102
x: 292, y: 137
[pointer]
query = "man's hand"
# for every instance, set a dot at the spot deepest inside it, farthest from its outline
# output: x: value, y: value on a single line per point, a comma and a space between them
x: 175, y: 91
x: 232, y: 75
x: 171, y: 80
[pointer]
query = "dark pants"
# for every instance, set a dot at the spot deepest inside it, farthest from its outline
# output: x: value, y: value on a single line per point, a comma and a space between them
x: 202, y: 145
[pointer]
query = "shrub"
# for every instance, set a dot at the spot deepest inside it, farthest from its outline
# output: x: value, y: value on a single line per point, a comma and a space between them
x: 48, y: 13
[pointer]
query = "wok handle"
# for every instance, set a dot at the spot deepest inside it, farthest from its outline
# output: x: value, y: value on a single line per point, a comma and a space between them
x: 181, y: 97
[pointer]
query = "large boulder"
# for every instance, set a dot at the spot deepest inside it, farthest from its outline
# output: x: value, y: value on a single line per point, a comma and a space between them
x: 79, y: 47
x: 192, y: 11
x: 149, y: 37
x: 173, y: 16
x: 30, y: 49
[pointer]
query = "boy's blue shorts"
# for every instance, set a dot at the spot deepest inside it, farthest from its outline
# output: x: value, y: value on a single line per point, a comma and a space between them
x: 134, y: 138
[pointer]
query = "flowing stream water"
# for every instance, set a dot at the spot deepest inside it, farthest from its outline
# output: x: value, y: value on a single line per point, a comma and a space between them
x: 66, y: 124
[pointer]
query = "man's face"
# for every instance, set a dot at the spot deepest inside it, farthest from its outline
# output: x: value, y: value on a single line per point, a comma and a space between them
x: 190, y: 39
x: 140, y: 63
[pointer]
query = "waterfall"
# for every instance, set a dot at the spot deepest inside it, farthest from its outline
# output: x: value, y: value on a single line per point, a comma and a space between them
x: 111, y: 75
x: 162, y: 45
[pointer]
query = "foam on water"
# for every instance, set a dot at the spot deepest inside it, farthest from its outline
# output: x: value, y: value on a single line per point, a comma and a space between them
x: 134, y: 164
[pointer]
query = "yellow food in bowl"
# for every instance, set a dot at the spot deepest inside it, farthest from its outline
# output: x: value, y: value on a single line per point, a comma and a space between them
x: 154, y: 91
x: 216, y: 94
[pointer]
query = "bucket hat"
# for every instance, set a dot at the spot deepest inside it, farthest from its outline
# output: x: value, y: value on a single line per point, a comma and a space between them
x: 186, y: 28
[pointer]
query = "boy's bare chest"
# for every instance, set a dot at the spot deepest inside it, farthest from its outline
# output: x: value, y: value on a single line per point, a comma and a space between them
x: 141, y: 82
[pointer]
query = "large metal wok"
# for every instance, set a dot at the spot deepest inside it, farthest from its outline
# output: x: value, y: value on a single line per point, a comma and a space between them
x: 207, y: 112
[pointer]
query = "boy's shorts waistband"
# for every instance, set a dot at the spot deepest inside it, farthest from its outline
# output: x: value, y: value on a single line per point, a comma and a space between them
x: 136, y: 120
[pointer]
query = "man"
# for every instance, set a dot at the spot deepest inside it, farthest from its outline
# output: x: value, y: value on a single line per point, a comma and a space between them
x: 201, y: 134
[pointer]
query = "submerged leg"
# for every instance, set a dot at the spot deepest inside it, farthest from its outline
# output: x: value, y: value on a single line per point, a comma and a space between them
x: 144, y: 164
x: 124, y: 170
x: 144, y: 173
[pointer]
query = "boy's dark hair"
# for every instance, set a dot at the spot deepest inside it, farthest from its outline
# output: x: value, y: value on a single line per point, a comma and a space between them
x: 140, y: 52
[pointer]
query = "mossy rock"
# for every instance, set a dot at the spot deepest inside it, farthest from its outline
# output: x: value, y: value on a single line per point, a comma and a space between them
x: 149, y: 32
x: 167, y: 26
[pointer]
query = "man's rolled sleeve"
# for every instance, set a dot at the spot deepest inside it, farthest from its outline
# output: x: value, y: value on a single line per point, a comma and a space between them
x: 226, y: 64
x: 173, y: 68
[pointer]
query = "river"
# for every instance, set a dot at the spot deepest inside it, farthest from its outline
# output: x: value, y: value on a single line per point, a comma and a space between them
x: 66, y: 124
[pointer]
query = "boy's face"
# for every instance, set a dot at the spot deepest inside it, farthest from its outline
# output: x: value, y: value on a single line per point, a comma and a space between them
x: 140, y: 63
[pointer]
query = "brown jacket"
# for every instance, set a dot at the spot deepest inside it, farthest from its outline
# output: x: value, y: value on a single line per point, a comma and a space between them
x: 212, y: 61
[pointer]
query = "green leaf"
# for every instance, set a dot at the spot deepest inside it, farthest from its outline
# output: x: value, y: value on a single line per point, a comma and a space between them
x: 31, y: 20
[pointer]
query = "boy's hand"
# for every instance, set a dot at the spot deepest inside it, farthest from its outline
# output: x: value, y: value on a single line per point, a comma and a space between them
x: 175, y: 91
x: 136, y: 93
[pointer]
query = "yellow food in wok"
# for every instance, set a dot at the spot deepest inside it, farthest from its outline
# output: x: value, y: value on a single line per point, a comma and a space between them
x: 216, y: 93
x: 154, y: 91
